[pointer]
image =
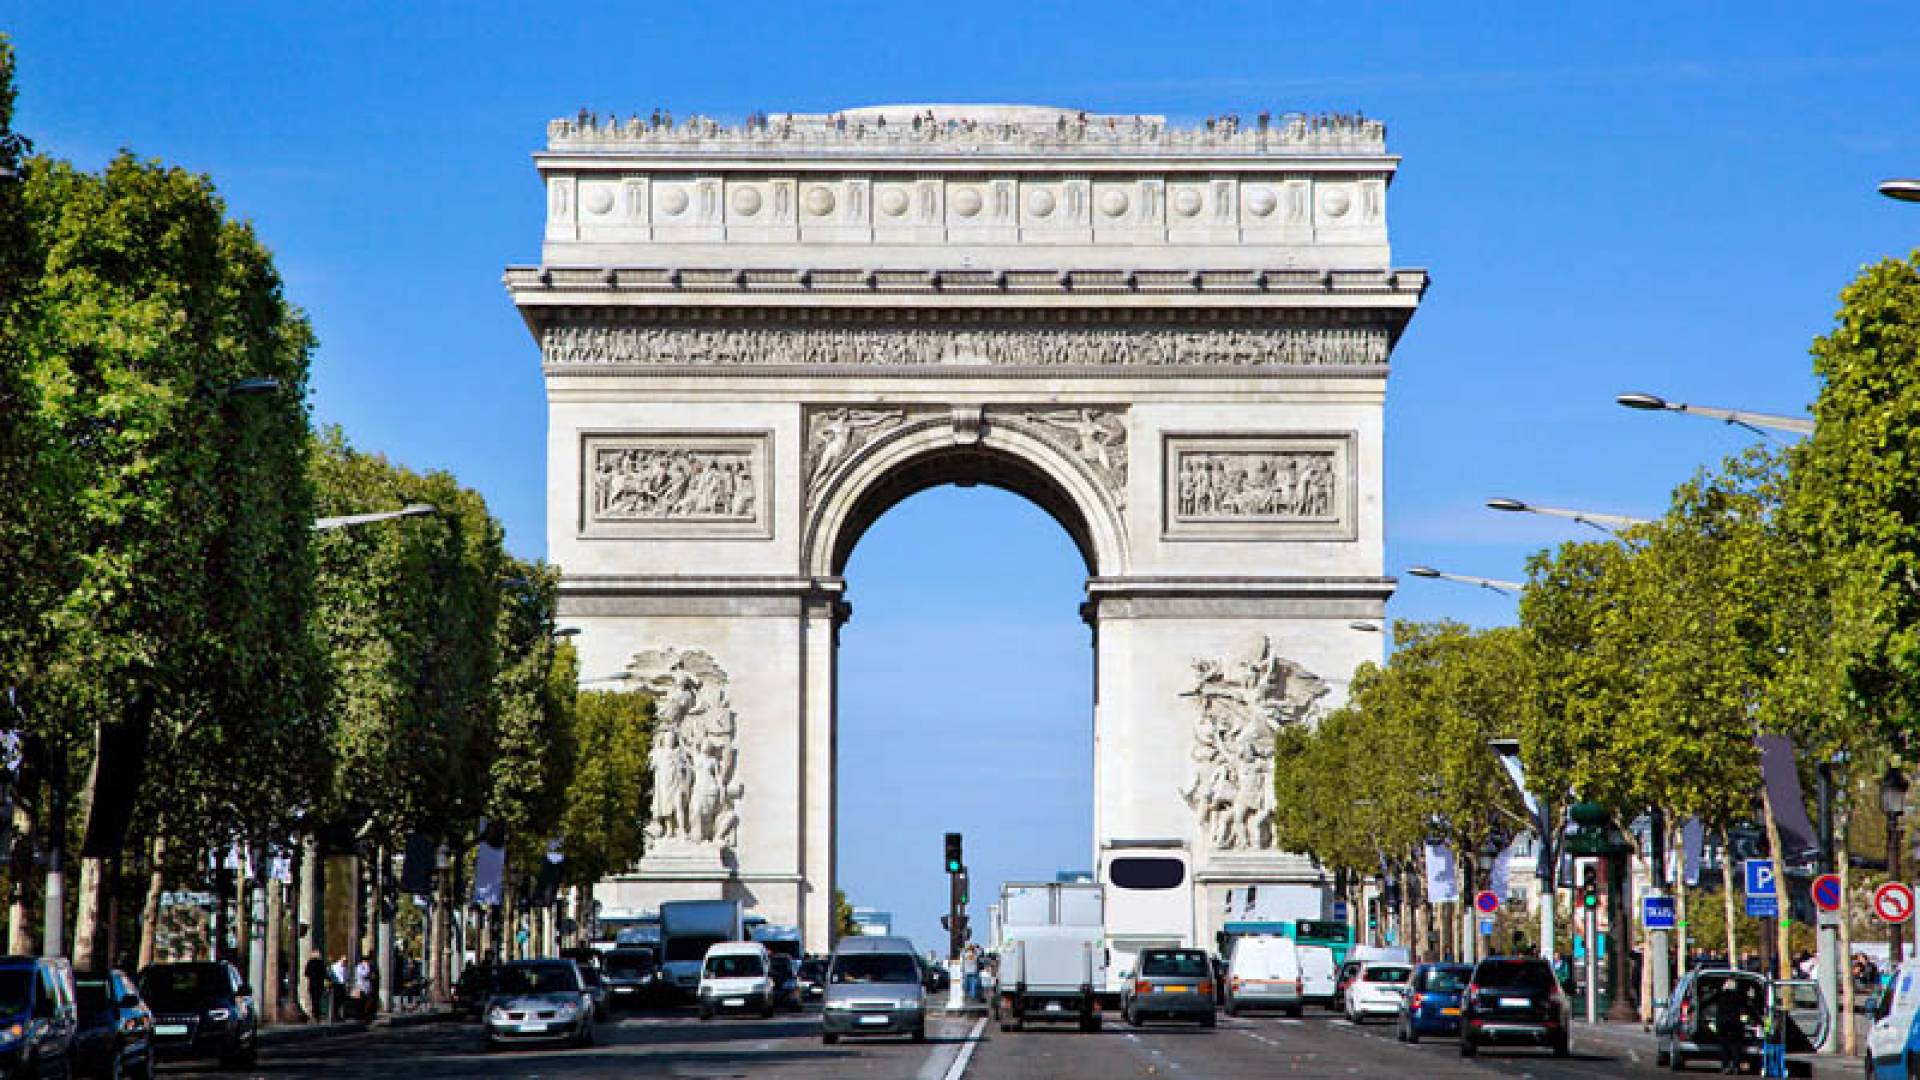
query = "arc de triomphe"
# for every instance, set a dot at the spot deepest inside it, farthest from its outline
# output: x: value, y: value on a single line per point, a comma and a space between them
x: 757, y: 339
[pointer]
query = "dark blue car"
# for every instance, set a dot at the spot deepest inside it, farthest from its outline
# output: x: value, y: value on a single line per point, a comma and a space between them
x: 1432, y: 1004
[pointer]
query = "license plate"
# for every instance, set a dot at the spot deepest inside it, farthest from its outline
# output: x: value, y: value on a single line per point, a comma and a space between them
x: 1449, y: 1012
x: 873, y: 1019
x: 623, y: 989
x: 1516, y: 1003
x: 1175, y: 989
x: 733, y: 1002
x: 1054, y: 1006
x: 533, y: 1026
x: 169, y: 1029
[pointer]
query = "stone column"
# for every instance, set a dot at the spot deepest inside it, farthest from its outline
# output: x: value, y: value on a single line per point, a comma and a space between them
x: 820, y: 640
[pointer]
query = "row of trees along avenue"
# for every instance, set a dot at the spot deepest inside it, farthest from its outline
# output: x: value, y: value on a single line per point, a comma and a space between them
x: 196, y: 676
x: 1779, y: 595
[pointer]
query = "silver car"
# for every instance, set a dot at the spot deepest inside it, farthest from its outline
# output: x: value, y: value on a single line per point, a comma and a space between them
x: 873, y: 988
x: 539, y: 1001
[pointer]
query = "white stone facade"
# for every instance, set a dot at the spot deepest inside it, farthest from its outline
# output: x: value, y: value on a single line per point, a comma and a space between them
x: 1175, y: 341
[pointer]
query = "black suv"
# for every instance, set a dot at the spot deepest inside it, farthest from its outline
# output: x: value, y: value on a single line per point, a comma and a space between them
x: 201, y: 1010
x: 1514, y: 999
x: 115, y: 1036
x: 36, y: 1016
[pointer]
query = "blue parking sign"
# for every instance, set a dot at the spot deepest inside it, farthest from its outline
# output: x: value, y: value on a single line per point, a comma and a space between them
x: 1760, y: 877
x: 1657, y: 912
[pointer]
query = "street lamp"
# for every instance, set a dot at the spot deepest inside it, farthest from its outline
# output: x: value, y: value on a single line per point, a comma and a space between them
x: 1606, y: 523
x: 1755, y: 422
x: 256, y: 386
x: 1364, y: 626
x: 565, y: 632
x: 1484, y: 857
x: 1491, y: 584
x: 410, y: 510
x: 1893, y: 803
x: 618, y: 676
x: 1906, y: 190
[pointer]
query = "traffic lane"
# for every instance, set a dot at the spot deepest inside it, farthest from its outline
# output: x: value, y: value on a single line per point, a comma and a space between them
x: 647, y: 1045
x: 1264, y: 1046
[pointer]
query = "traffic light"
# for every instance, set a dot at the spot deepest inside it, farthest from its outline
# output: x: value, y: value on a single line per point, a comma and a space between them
x: 963, y: 888
x: 1373, y: 913
x: 1589, y: 888
x: 955, y: 862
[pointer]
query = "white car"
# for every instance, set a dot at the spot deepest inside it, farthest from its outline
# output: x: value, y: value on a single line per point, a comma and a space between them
x: 736, y: 977
x: 1377, y: 991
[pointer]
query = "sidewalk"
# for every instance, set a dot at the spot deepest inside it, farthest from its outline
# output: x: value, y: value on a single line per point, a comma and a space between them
x: 293, y: 1034
x: 1638, y: 1044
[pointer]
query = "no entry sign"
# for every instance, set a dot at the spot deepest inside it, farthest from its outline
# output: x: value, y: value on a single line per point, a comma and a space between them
x: 1893, y: 902
x: 1826, y: 892
x: 1485, y: 902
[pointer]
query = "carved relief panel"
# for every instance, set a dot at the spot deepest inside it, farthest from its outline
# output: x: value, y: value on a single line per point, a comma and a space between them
x: 1259, y: 487
x: 676, y: 485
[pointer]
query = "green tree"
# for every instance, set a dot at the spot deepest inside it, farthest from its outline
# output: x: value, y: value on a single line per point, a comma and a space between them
x: 177, y: 563
x: 532, y: 753
x: 843, y: 924
x: 606, y: 803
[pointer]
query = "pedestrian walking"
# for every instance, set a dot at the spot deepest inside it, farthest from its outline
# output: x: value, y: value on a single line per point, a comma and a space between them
x: 363, y: 989
x: 318, y: 992
x: 1730, y: 1024
x: 337, y: 975
x: 970, y: 972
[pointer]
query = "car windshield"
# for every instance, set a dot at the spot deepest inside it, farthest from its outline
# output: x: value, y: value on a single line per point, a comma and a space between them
x: 537, y: 979
x: 1445, y: 979
x: 1385, y: 974
x: 813, y: 969
x: 1514, y: 976
x: 875, y: 968
x: 1185, y: 965
x: 782, y: 966
x: 736, y: 966
x: 183, y: 988
x: 16, y: 992
x: 94, y: 997
x: 624, y: 964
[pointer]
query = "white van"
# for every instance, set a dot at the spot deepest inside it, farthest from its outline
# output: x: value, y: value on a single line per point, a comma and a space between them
x: 736, y: 977
x: 1264, y: 973
x: 1319, y: 975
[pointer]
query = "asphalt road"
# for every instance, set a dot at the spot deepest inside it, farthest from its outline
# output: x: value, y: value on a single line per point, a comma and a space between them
x: 678, y: 1045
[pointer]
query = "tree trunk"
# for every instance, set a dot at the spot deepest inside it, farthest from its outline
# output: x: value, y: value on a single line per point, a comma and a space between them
x: 1843, y: 859
x: 20, y: 913
x: 440, y: 913
x: 150, y: 909
x: 1782, y: 929
x: 276, y: 945
x: 1726, y: 896
x: 87, y: 924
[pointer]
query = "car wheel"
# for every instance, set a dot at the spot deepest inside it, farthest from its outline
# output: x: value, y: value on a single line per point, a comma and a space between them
x: 1563, y: 1046
x: 706, y: 1014
x: 1232, y: 1008
x: 1413, y: 1033
x: 1677, y: 1061
x: 767, y: 1013
x: 1132, y: 1016
x: 920, y: 1032
x: 1294, y: 1011
x: 1208, y: 1020
x: 1661, y: 1057
x: 1467, y: 1047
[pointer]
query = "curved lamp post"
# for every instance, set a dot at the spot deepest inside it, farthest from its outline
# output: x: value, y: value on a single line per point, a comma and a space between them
x: 1606, y: 523
x: 1905, y: 190
x: 1893, y: 803
x: 1757, y: 422
x: 410, y: 510
x: 1491, y: 584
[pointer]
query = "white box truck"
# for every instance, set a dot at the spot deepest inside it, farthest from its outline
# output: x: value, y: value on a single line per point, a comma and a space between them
x: 1052, y: 955
x: 1149, y: 902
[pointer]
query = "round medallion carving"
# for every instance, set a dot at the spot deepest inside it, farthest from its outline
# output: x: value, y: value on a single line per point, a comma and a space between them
x: 597, y: 200
x: 674, y: 200
x: 746, y: 200
x: 966, y: 201
x: 1337, y: 203
x: 893, y: 201
x: 1186, y: 202
x: 1261, y: 201
x: 1113, y: 202
x: 819, y: 200
x: 1040, y: 202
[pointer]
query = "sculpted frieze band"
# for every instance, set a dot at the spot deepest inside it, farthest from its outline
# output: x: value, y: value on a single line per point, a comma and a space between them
x: 587, y: 346
x: 681, y: 484
x: 1259, y: 486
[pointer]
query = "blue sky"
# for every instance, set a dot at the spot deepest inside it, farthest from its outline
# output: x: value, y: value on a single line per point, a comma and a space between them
x: 1609, y: 198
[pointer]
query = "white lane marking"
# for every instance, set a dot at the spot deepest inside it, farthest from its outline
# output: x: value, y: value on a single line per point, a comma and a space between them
x: 959, y: 1067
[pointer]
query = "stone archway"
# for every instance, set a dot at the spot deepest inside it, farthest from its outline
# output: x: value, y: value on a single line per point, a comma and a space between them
x: 1175, y: 341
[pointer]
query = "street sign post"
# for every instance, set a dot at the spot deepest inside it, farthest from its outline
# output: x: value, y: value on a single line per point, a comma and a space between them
x: 1657, y: 912
x: 1893, y: 902
x: 1486, y: 927
x: 1763, y: 901
x: 1340, y: 911
x: 1826, y: 892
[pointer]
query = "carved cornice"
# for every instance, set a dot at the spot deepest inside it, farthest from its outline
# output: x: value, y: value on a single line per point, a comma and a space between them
x: 972, y: 131
x: 530, y: 284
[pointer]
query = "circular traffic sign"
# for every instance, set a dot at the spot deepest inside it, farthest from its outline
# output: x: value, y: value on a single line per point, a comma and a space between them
x: 1826, y: 892
x: 1893, y: 902
x: 1486, y: 903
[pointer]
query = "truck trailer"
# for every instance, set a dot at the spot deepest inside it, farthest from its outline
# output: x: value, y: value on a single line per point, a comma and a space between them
x: 688, y: 928
x: 1052, y: 955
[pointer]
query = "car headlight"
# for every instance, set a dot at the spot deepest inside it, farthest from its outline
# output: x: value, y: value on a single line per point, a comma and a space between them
x: 497, y: 1014
x: 760, y: 986
x: 12, y: 1033
x: 566, y: 1009
x: 839, y: 1006
x: 219, y: 1014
